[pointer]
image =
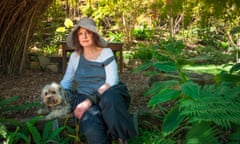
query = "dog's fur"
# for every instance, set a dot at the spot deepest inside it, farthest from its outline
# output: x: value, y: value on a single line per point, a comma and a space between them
x: 55, y: 102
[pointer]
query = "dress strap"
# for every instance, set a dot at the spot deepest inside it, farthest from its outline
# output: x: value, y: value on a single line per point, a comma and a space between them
x: 108, y: 60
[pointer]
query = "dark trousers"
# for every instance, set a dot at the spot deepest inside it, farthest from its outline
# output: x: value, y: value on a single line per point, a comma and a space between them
x: 109, y: 119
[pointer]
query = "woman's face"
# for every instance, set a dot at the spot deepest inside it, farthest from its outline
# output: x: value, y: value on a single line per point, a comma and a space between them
x: 85, y: 37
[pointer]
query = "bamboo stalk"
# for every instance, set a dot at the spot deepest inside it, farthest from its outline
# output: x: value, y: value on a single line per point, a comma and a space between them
x: 17, y: 23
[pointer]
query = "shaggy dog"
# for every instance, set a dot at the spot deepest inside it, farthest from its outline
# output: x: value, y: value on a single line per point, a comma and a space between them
x: 55, y: 102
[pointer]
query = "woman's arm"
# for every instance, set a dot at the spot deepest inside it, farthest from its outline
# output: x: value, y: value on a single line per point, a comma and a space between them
x: 111, y: 70
x: 68, y: 77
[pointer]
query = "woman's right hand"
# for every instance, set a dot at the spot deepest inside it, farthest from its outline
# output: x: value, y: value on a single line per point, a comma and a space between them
x: 81, y: 108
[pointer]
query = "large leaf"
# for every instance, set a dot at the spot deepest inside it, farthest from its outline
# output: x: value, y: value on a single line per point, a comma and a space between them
x: 191, y: 89
x: 164, y: 96
x: 158, y: 86
x: 166, y: 66
x: 172, y: 121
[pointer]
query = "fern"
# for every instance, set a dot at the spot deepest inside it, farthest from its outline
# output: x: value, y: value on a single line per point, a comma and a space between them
x: 219, y: 104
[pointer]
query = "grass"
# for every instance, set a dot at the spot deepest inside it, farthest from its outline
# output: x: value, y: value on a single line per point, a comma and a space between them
x: 209, y: 69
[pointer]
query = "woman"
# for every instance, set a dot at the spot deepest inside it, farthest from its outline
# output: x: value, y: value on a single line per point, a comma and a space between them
x: 99, y: 100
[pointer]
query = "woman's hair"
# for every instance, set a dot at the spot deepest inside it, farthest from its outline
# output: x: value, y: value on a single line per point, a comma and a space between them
x: 76, y: 42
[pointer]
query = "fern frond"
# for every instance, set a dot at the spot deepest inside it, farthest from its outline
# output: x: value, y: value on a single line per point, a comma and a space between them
x: 218, y: 104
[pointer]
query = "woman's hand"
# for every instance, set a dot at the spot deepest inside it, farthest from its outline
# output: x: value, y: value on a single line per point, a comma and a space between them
x: 103, y: 88
x: 81, y: 108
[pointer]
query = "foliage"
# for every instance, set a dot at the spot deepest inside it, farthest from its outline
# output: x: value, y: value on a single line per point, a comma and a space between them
x: 143, y: 33
x: 145, y: 52
x: 210, y: 105
x: 7, y: 106
x: 150, y: 136
x: 27, y: 131
x: 115, y: 36
x: 230, y: 77
x: 119, y: 16
x: 48, y: 135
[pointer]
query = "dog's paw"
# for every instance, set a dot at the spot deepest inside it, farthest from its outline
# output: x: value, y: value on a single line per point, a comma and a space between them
x: 49, y: 117
x: 42, y: 111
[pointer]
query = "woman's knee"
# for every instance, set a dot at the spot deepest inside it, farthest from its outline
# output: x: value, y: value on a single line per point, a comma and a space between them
x: 109, y: 98
x: 93, y: 126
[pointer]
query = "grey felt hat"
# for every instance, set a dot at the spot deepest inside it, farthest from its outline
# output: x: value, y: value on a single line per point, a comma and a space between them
x: 88, y: 24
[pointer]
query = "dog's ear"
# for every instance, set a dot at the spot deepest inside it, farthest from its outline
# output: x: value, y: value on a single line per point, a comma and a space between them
x: 43, y: 91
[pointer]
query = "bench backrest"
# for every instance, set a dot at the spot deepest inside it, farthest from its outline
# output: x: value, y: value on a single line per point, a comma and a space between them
x: 116, y: 47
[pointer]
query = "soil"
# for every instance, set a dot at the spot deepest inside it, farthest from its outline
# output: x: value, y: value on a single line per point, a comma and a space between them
x: 28, y: 87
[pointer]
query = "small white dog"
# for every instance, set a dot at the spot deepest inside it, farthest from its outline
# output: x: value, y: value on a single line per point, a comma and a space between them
x: 55, y: 102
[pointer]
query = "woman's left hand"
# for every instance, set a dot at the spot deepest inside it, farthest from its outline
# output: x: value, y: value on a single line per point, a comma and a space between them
x: 81, y: 108
x: 103, y: 88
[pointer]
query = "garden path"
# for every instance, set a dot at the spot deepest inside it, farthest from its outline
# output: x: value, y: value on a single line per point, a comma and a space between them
x: 28, y: 87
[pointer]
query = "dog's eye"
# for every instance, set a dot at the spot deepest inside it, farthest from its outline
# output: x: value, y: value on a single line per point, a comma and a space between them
x: 46, y: 93
x: 53, y: 92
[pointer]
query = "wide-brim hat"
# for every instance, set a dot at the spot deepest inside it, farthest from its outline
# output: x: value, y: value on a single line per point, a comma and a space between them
x: 88, y: 24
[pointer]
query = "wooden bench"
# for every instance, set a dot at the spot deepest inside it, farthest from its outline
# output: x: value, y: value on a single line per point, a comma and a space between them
x: 116, y: 47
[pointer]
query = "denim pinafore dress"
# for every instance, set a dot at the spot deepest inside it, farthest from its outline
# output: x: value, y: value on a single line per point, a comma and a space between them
x: 90, y: 75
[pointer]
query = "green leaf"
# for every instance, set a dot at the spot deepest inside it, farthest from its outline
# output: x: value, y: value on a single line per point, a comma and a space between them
x: 8, y: 108
x: 166, y: 66
x: 171, y: 121
x: 56, y: 132
x: 158, y: 86
x: 163, y: 96
x: 9, y: 100
x: 235, y: 30
x: 234, y: 136
x: 225, y: 77
x: 175, y: 48
x: 23, y: 137
x: 47, y: 130
x: 235, y: 68
x: 34, y: 132
x: 3, y: 130
x: 143, y: 67
x: 201, y: 133
x: 191, y: 89
x: 10, y: 121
